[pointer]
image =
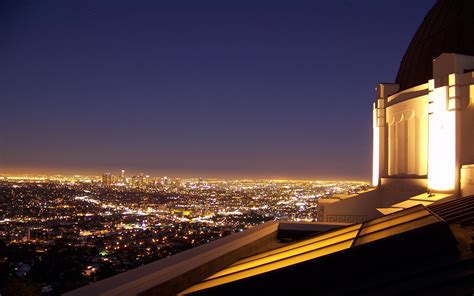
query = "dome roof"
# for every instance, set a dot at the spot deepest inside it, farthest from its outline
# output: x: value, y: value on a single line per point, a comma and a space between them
x: 447, y: 28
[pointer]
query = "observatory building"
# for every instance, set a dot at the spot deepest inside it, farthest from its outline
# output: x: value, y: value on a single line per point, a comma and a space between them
x: 423, y: 124
x: 409, y: 234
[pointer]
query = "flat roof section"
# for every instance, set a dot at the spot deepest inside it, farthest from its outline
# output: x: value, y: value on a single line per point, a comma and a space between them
x: 414, y: 222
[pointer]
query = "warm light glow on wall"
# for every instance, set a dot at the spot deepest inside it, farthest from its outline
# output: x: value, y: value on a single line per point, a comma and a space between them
x: 375, y: 152
x: 376, y: 158
x: 441, y: 143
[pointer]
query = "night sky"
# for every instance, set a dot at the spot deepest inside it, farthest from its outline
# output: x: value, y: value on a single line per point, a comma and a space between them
x: 197, y: 88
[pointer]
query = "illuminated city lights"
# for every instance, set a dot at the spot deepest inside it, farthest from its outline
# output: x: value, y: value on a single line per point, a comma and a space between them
x: 117, y: 223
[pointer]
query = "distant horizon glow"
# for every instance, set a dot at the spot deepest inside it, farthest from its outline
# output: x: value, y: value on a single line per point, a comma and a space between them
x: 170, y: 174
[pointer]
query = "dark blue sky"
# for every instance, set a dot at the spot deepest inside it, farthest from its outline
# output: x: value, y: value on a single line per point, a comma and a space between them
x: 197, y: 88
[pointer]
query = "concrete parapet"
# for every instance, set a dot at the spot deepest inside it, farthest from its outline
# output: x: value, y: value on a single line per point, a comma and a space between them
x: 351, y: 209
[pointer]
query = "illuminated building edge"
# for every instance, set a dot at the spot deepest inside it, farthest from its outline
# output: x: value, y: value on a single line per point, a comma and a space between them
x: 423, y: 142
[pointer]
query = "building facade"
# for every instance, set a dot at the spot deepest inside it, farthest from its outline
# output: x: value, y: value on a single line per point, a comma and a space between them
x: 423, y: 123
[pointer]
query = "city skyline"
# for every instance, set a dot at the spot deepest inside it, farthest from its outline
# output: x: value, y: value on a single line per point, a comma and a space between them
x: 204, y: 90
x: 41, y: 172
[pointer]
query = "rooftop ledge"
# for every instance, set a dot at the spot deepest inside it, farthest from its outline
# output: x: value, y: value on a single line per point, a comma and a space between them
x: 339, y: 197
x: 174, y: 274
x: 409, y: 93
